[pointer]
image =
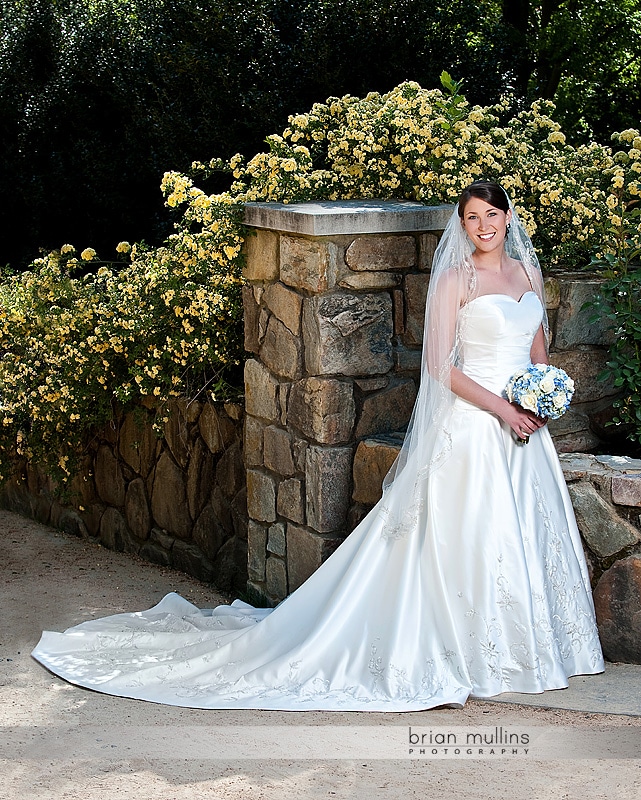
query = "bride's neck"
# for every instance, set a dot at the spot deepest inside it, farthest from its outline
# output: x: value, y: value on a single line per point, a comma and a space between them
x: 489, y: 262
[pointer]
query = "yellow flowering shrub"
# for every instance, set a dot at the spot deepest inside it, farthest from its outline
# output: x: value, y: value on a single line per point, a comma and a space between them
x: 427, y: 145
x: 74, y: 346
x: 78, y: 336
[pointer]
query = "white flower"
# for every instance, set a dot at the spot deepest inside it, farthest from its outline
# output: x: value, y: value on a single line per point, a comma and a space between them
x: 547, y: 384
x: 558, y: 400
x: 528, y: 401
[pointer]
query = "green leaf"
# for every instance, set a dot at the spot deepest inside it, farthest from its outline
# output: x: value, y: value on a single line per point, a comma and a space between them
x: 447, y: 82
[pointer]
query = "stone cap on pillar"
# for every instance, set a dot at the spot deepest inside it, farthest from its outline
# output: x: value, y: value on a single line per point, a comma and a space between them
x: 335, y: 217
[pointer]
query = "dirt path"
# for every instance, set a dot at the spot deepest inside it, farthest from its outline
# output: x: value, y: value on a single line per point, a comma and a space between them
x: 59, y: 741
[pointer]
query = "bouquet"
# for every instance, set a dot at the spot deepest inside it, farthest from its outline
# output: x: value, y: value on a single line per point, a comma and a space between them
x: 541, y: 388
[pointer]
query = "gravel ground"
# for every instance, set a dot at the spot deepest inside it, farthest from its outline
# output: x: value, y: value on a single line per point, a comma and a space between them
x: 60, y: 741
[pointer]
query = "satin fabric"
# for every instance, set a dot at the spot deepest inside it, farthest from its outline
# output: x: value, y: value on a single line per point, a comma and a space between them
x: 482, y: 589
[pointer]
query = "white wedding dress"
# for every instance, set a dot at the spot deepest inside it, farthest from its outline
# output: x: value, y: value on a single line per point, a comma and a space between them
x: 483, y: 589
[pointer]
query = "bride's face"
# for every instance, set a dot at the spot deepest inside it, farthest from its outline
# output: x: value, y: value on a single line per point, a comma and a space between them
x: 485, y: 225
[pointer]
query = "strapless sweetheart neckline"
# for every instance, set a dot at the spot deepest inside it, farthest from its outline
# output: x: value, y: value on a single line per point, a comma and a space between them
x: 502, y: 294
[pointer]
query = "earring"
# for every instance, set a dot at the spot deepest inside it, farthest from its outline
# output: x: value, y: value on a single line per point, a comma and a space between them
x: 507, y: 229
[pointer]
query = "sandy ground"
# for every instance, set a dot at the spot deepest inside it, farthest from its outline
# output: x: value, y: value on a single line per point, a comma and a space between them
x: 59, y: 741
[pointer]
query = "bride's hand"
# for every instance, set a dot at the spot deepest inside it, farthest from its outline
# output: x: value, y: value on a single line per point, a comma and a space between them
x: 523, y: 423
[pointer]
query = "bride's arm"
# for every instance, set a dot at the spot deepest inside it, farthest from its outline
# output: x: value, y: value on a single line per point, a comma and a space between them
x: 447, y: 302
x: 522, y: 422
x: 538, y: 352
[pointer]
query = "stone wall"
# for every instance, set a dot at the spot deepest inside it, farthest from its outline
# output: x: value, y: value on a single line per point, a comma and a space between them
x: 178, y: 500
x: 606, y: 495
x: 579, y: 346
x: 334, y: 319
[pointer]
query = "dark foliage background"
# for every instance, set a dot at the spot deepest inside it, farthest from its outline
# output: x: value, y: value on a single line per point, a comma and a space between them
x: 99, y: 97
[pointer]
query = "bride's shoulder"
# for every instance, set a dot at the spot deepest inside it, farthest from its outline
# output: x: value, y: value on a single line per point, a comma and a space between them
x: 457, y: 276
x: 454, y: 284
x: 520, y: 274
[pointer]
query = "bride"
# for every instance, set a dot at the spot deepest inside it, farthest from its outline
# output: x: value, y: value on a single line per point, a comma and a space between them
x: 467, y: 578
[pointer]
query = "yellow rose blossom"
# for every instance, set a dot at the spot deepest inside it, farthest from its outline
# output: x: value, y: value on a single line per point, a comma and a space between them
x: 556, y: 136
x: 628, y: 135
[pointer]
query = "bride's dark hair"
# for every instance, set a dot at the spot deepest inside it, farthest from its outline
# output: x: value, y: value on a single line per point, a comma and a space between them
x: 488, y: 191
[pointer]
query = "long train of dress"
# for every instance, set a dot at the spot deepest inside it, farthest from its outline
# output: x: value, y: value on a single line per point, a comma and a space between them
x: 483, y: 590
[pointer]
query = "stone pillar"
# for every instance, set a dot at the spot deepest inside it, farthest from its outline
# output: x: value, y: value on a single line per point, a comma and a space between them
x: 333, y: 318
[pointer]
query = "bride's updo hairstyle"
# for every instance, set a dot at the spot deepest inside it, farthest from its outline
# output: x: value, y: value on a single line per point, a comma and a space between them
x: 488, y: 191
